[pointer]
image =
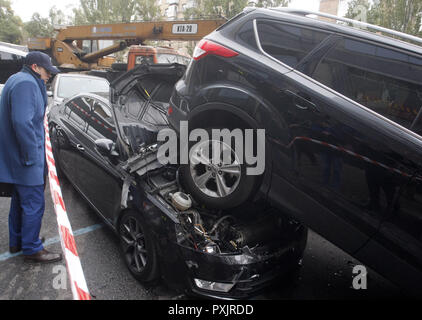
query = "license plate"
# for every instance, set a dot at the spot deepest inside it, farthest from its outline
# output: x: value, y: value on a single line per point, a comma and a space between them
x: 185, y: 28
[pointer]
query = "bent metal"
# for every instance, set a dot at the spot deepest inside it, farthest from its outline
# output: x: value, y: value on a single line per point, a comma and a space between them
x: 220, y: 144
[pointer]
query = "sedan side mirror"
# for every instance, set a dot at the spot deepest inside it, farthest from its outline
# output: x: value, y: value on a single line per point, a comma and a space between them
x: 106, y: 147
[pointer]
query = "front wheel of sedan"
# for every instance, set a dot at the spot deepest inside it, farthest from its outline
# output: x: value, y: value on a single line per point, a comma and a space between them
x: 138, y: 248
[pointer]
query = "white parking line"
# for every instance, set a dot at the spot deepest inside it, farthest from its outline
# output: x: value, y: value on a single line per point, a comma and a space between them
x: 8, y: 255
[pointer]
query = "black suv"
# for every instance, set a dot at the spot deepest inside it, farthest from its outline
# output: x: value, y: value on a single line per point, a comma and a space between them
x: 341, y: 109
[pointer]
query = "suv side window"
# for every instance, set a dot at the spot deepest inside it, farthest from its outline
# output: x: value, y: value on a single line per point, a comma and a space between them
x: 246, y: 35
x: 385, y: 80
x: 288, y: 44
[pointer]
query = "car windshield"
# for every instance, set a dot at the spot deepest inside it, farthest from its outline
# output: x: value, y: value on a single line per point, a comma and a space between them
x: 172, y: 58
x: 69, y: 86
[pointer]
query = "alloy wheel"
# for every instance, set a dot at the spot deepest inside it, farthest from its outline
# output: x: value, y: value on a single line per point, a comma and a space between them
x: 134, y: 244
x: 215, y: 168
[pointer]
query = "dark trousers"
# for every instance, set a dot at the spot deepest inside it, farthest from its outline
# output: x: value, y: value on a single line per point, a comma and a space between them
x: 25, y: 216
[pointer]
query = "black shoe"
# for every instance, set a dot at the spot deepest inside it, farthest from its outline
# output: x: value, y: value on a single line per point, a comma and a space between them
x: 19, y: 248
x: 43, y: 256
x: 14, y: 249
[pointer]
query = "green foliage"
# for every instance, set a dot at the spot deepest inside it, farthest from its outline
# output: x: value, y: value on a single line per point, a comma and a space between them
x: 57, y: 17
x: 272, y: 3
x: 356, y: 7
x: 39, y: 26
x: 227, y: 8
x: 215, y: 8
x: 147, y: 10
x: 9, y: 24
x: 400, y: 15
x: 115, y: 11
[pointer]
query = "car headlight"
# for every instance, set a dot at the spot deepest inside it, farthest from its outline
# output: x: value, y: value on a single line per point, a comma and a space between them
x: 213, y: 286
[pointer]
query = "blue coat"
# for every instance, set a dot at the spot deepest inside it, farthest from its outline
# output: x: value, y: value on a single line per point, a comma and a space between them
x: 22, y: 108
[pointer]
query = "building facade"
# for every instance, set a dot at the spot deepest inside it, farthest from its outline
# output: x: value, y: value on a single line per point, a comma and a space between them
x: 174, y: 9
x: 329, y: 6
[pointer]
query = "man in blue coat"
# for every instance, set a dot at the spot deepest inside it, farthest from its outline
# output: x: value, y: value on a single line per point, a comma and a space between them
x: 22, y: 156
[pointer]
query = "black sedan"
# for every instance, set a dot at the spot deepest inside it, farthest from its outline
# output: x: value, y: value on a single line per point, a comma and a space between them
x: 107, y: 148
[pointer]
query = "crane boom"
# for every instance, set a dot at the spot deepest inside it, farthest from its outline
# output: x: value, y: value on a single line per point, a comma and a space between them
x: 66, y: 47
x: 141, y: 31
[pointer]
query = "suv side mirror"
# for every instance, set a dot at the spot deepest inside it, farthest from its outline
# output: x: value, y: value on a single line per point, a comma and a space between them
x: 49, y: 93
x: 106, y: 147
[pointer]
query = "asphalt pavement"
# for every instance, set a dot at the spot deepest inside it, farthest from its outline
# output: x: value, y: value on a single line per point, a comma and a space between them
x: 327, y: 271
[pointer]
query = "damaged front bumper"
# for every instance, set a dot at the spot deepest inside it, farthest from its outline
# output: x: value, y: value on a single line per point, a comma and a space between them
x: 237, y: 276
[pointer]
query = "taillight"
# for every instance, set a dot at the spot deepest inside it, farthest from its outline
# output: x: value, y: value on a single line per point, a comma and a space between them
x: 206, y: 47
x: 169, y: 110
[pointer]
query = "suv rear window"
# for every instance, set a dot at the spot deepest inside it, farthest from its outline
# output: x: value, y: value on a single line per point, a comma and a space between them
x: 382, y: 79
x: 288, y: 44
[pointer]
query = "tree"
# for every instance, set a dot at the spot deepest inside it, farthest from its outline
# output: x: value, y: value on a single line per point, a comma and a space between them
x: 227, y: 8
x: 112, y: 11
x: 214, y: 8
x: 147, y: 10
x: 39, y: 26
x: 357, y: 9
x: 10, y: 25
x: 94, y: 11
x: 399, y: 15
x: 272, y: 3
x: 57, y: 17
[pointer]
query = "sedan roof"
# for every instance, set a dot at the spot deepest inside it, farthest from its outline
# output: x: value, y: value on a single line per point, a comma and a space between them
x: 13, y: 51
x: 80, y: 75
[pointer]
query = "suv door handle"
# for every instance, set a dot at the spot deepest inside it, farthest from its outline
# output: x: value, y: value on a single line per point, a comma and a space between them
x: 80, y: 147
x: 301, y: 102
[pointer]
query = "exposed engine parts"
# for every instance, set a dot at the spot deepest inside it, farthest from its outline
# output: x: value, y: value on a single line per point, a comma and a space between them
x: 215, y: 231
x: 181, y: 200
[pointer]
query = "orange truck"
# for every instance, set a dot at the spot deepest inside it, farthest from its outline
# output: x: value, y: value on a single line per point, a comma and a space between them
x: 139, y: 54
x: 67, y: 52
x: 152, y: 55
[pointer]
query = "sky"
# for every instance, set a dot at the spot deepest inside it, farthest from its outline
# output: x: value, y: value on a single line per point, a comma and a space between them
x: 25, y: 8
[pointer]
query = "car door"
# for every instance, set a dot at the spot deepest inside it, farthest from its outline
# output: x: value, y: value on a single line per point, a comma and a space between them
x: 334, y: 155
x: 105, y: 180
x: 387, y: 82
x: 73, y: 115
x: 399, y: 240
x: 98, y: 178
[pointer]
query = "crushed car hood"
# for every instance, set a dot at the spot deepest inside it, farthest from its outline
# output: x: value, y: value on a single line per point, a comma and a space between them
x: 139, y: 100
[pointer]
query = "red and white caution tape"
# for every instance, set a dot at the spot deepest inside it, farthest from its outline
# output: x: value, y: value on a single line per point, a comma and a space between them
x: 67, y: 240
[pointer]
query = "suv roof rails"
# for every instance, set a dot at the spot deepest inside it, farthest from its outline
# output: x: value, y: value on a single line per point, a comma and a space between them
x: 355, y: 23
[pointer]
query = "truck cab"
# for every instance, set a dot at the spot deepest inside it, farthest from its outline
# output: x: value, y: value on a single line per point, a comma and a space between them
x: 153, y: 55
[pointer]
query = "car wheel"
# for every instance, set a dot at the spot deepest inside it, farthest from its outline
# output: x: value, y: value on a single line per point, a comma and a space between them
x: 220, y: 183
x: 138, y: 248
